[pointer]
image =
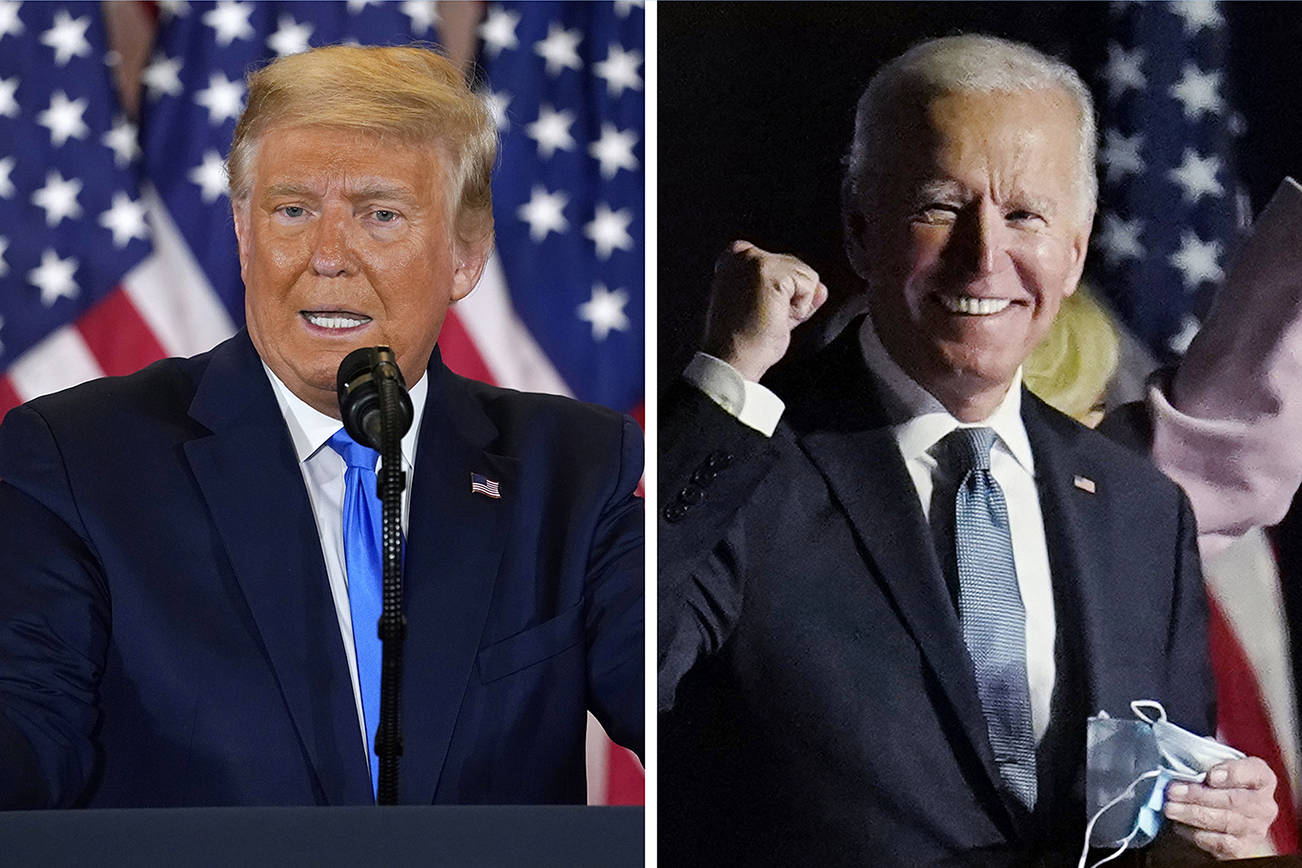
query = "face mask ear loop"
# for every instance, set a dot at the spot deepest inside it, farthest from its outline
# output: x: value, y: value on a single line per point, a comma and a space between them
x: 1089, y: 827
x: 1139, y: 704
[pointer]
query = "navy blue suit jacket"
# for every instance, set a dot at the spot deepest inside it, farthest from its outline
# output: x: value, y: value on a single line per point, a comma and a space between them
x: 818, y: 702
x: 167, y: 634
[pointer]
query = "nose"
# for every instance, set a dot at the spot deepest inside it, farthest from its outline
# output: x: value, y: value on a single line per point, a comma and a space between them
x: 332, y: 253
x: 981, y: 242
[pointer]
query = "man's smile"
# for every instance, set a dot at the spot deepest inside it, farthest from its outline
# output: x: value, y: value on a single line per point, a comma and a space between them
x: 971, y: 305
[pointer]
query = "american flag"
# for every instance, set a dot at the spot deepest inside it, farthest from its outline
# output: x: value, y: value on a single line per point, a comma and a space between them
x: 1169, y: 200
x: 1170, y: 211
x: 481, y: 484
x: 116, y: 241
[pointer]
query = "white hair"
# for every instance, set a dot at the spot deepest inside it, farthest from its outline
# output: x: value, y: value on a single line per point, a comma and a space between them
x: 955, y: 64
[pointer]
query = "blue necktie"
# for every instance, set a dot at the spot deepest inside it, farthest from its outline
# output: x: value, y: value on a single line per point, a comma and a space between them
x: 362, y: 555
x: 990, y: 609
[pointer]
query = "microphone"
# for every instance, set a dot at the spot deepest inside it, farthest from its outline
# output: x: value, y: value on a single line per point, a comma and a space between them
x: 363, y: 375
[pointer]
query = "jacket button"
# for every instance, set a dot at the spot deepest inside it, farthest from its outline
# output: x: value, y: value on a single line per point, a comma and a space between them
x: 704, y: 476
x: 718, y: 460
x: 691, y: 495
x: 675, y: 512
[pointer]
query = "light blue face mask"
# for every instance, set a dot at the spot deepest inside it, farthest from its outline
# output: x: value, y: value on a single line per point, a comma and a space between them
x: 1128, y: 764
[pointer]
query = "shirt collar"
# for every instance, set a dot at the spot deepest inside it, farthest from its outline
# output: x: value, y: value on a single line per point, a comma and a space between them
x: 309, y: 428
x: 926, y: 420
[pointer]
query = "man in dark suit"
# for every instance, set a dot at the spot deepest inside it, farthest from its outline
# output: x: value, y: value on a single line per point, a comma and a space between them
x: 830, y: 688
x: 175, y: 618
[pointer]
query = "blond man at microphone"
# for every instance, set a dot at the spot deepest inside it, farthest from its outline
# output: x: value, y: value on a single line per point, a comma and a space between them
x: 181, y: 612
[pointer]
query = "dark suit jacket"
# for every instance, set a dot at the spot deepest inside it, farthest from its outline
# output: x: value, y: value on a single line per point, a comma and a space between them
x: 819, y: 706
x: 167, y: 635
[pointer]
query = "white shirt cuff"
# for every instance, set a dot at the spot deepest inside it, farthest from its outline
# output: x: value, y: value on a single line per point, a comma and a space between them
x: 748, y: 402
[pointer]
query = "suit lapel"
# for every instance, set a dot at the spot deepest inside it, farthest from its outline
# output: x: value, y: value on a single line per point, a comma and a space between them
x: 1075, y: 515
x: 850, y: 441
x: 250, y: 479
x: 455, y: 543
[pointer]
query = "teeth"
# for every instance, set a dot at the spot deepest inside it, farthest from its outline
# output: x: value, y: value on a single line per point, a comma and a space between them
x: 335, y: 320
x: 975, y: 306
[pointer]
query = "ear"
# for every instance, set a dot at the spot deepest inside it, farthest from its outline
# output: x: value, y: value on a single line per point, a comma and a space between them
x: 469, y: 265
x: 1080, y: 245
x: 854, y: 227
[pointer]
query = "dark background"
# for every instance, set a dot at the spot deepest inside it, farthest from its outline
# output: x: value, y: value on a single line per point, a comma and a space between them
x: 756, y: 105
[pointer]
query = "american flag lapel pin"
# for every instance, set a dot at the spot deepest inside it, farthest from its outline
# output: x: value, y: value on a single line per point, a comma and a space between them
x: 1084, y: 483
x: 481, y: 484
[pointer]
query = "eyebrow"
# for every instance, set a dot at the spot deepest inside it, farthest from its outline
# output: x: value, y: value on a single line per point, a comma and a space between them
x: 376, y: 191
x: 930, y: 191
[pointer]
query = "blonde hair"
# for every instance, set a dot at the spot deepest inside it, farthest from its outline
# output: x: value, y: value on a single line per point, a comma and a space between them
x: 1070, y: 369
x: 410, y: 93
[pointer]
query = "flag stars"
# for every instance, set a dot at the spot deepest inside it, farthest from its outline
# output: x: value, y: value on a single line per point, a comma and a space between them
x: 1124, y: 70
x: 498, y: 31
x: 1197, y: 260
x: 63, y: 118
x: 163, y: 76
x: 355, y: 7
x: 1180, y: 341
x: 8, y: 104
x: 125, y: 219
x: 210, y: 176
x: 290, y: 37
x: 54, y: 277
x: 1197, y: 14
x: 1198, y: 92
x: 230, y: 21
x: 614, y: 150
x: 67, y: 37
x: 609, y: 230
x: 1120, y: 155
x: 223, y: 98
x: 174, y: 8
x: 1119, y: 239
x: 122, y: 141
x: 6, y: 185
x: 4, y: 266
x: 551, y: 131
x: 560, y: 49
x: 497, y: 103
x: 623, y: 7
x: 58, y: 198
x: 544, y: 212
x: 424, y: 15
x: 619, y: 70
x: 1197, y: 176
x: 10, y: 23
x: 605, y: 311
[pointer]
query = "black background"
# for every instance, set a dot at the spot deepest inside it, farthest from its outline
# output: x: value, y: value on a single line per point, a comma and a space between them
x: 756, y: 105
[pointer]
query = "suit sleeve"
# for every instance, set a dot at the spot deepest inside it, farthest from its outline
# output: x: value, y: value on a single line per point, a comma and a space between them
x: 614, y: 612
x: 710, y: 464
x: 54, y: 623
x: 1190, y: 687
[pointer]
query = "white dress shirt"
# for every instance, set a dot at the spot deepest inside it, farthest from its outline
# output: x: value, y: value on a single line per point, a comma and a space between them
x: 1011, y: 463
x: 323, y: 474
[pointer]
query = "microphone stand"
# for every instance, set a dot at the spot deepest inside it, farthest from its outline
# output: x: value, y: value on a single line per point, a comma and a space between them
x: 377, y: 411
x: 393, y: 623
